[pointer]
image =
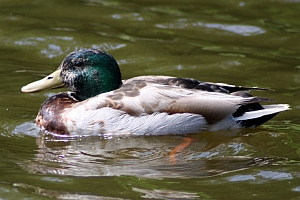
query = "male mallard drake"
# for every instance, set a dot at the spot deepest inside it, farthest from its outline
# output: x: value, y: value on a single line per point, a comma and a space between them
x: 101, y: 103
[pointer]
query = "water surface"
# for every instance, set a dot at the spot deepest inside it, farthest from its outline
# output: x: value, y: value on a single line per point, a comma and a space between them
x: 251, y: 43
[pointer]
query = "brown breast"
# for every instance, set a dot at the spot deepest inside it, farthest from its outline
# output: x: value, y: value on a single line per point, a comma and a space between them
x: 49, y: 116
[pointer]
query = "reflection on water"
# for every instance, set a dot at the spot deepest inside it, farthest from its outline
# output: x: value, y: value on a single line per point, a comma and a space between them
x: 60, y: 195
x: 153, y: 157
x: 148, y: 194
x: 166, y: 194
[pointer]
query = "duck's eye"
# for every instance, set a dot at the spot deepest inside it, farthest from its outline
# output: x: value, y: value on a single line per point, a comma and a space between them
x: 79, y: 63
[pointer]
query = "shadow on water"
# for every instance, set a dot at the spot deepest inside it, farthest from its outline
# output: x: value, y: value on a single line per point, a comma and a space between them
x: 199, y: 155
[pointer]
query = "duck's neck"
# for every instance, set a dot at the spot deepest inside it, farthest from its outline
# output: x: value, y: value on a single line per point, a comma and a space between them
x: 98, y: 82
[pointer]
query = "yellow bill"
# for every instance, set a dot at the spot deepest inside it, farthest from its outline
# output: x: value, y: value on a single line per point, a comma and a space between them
x: 49, y: 82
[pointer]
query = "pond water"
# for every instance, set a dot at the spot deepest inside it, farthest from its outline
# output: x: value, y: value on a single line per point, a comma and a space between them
x: 250, y: 43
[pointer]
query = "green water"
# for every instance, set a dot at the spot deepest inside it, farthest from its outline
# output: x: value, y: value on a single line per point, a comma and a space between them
x: 251, y: 43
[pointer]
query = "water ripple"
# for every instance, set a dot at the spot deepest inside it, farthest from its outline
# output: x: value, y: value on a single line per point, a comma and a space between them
x: 51, y: 46
x: 244, y: 30
x: 275, y: 175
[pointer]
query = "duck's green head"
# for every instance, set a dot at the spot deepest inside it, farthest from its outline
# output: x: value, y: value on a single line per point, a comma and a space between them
x: 87, y: 72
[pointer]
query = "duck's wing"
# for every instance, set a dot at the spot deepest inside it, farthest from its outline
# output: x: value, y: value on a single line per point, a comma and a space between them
x: 190, y: 83
x: 139, y: 97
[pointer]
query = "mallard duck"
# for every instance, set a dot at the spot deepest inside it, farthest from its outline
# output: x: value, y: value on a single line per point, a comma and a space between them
x: 99, y: 102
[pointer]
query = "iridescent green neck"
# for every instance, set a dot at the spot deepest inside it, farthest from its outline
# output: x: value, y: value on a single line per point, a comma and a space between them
x: 89, y: 72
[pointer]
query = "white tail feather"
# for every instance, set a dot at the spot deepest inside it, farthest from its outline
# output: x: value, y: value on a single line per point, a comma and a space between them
x: 268, y: 110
